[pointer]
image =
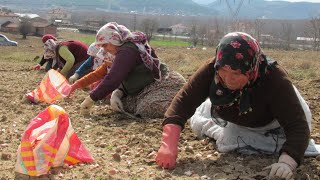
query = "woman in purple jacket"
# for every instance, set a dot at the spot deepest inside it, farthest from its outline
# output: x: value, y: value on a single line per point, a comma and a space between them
x: 140, y: 84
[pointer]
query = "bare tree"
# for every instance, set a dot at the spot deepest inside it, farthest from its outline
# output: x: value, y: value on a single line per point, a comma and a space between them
x: 25, y: 27
x: 258, y: 25
x: 194, y: 38
x: 203, y: 33
x: 6, y: 10
x: 287, y: 34
x: 214, y: 33
x: 313, y: 30
x: 148, y: 27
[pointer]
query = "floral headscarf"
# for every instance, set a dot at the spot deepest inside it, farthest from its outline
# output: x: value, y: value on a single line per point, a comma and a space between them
x: 93, y: 50
x: 118, y: 34
x: 49, y: 49
x: 46, y: 37
x: 238, y: 51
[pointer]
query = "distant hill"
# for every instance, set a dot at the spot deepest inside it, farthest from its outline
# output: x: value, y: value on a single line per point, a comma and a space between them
x: 203, y: 1
x: 268, y: 9
x: 173, y: 7
x: 251, y: 9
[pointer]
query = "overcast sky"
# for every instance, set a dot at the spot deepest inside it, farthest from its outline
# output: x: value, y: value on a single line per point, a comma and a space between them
x: 317, y: 1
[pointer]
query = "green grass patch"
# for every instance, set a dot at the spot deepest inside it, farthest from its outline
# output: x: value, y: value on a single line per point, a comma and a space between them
x: 87, y: 39
x: 169, y: 43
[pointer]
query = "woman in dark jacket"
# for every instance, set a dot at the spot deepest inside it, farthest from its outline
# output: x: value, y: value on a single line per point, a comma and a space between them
x: 247, y: 90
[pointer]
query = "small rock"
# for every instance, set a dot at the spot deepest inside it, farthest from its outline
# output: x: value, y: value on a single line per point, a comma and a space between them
x: 5, y: 156
x: 116, y: 157
x: 60, y: 175
x: 118, y: 150
x: 152, y: 155
x: 112, y: 172
x: 189, y: 149
x: 318, y: 158
x: 152, y: 132
x: 188, y: 173
x: 198, y: 156
x: 103, y: 145
x: 137, y: 155
x: 3, y: 118
x: 141, y: 169
x: 129, y: 163
x: 205, y: 177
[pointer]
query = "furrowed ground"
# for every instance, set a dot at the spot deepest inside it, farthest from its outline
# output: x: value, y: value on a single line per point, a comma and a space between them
x: 106, y: 133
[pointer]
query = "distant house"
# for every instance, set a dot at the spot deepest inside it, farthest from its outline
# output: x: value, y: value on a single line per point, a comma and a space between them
x: 8, y: 16
x: 40, y: 29
x: 40, y: 26
x: 27, y: 15
x: 164, y: 30
x: 59, y: 14
x: 247, y: 27
x: 307, y: 39
x: 92, y: 22
x: 11, y: 27
x: 179, y: 29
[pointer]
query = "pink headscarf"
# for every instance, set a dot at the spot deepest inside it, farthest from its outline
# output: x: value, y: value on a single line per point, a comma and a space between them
x: 118, y: 34
x: 49, y: 49
x: 46, y: 37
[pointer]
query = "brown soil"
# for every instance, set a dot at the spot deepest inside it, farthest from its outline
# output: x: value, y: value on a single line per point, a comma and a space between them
x: 106, y: 133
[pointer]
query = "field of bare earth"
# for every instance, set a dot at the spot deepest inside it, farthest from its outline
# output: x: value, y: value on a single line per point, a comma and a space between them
x: 122, y: 147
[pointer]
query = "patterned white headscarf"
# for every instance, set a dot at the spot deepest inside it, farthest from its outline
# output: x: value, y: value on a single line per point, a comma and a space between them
x: 93, y: 49
x: 105, y: 56
x: 118, y: 34
x: 49, y: 49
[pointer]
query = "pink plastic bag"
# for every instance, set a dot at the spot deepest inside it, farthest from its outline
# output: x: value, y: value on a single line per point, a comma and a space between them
x: 53, y: 86
x: 49, y: 141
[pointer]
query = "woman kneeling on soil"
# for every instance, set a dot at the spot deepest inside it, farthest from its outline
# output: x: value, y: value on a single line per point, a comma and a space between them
x: 45, y: 59
x: 139, y: 82
x: 252, y: 98
x: 67, y: 56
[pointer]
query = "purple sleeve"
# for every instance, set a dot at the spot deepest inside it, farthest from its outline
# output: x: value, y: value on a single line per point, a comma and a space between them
x: 125, y: 61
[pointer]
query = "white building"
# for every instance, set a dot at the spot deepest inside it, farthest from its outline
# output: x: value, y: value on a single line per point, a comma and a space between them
x: 179, y: 29
x: 8, y: 16
x: 59, y: 14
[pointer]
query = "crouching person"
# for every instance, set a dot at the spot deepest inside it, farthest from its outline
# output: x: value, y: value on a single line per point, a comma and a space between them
x: 140, y: 84
x: 251, y: 97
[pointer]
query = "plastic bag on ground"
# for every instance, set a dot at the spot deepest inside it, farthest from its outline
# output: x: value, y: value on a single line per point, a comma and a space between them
x: 49, y: 141
x: 53, y: 86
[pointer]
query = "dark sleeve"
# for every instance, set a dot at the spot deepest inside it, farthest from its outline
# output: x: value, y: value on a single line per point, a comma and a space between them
x: 192, y: 94
x: 85, y: 66
x: 41, y: 63
x: 153, y: 53
x: 287, y: 109
x: 125, y: 61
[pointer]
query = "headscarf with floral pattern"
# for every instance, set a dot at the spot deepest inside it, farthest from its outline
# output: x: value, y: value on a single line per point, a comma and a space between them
x: 49, y: 49
x: 238, y: 51
x: 93, y: 50
x: 118, y: 34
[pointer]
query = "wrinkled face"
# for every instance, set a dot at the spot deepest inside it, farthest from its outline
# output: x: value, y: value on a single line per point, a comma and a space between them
x: 232, y: 79
x: 112, y: 49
